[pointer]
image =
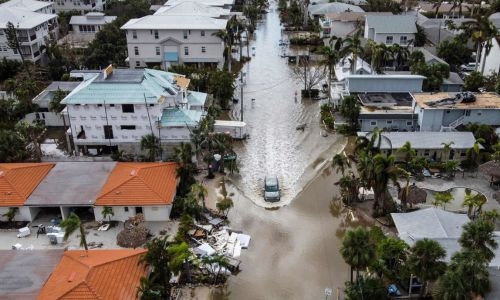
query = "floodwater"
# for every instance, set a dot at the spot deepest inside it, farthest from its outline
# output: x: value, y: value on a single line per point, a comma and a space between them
x: 294, y: 251
x: 272, y: 113
x: 456, y: 204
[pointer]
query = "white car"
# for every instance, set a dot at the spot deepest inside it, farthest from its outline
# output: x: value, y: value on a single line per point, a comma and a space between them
x: 468, y: 67
x: 272, y: 190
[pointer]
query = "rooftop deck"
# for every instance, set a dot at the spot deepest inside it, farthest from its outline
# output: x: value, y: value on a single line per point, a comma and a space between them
x: 483, y: 100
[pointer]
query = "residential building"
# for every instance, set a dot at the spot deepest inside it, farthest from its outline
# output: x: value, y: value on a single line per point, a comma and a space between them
x: 226, y: 4
x: 165, y: 40
x: 320, y: 9
x: 83, y: 6
x: 344, y: 68
x: 446, y: 111
x: 390, y: 30
x: 43, y: 100
x: 384, y: 83
x: 34, y: 24
x: 84, y: 28
x: 65, y: 187
x: 389, y: 111
x: 96, y: 274
x: 132, y: 188
x: 17, y: 182
x: 451, y: 84
x: 192, y: 8
x: 27, y: 271
x: 344, y: 23
x: 114, y: 109
x: 427, y: 144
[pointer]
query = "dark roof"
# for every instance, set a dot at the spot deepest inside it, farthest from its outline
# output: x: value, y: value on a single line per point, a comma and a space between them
x: 23, y: 273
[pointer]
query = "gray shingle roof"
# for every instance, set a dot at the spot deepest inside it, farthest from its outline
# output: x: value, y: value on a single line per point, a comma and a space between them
x: 392, y: 24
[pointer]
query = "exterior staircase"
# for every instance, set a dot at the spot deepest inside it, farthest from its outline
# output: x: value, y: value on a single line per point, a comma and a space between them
x: 453, y: 125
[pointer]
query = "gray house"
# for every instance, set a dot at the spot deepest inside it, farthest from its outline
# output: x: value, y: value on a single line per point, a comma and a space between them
x: 446, y: 111
x: 396, y: 29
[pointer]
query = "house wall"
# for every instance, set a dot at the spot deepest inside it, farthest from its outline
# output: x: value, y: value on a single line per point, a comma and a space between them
x: 429, y: 119
x: 396, y: 38
x: 50, y: 118
x: 40, y: 32
x: 433, y: 119
x: 34, y: 212
x: 492, y: 61
x: 367, y: 124
x: 79, y: 5
x: 23, y: 214
x: 173, y: 41
x: 151, y: 213
x: 455, y: 154
x: 384, y: 84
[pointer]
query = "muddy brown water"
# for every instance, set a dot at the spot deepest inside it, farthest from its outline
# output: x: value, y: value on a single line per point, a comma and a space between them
x: 294, y: 251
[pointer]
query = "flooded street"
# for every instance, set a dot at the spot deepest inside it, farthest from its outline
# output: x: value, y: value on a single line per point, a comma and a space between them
x: 275, y: 146
x: 294, y: 252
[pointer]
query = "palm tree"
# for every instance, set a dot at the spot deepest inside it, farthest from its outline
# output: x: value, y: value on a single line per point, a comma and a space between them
x: 370, y: 145
x: 179, y: 256
x: 391, y: 251
x: 425, y: 261
x: 408, y: 152
x: 215, y: 265
x: 349, y: 187
x: 183, y: 155
x: 331, y: 54
x: 224, y: 205
x: 473, y: 201
x: 71, y: 224
x: 150, y: 143
x: 148, y: 290
x: 446, y: 150
x: 352, y: 45
x: 226, y: 36
x: 33, y: 132
x: 384, y: 171
x: 400, y: 55
x: 340, y: 162
x: 357, y: 250
x: 442, y: 198
x: 107, y: 211
x: 11, y: 213
x: 158, y: 258
x: 200, y: 191
x: 473, y: 154
x: 478, y: 235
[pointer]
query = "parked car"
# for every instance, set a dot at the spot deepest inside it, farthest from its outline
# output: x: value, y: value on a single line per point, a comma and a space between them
x: 272, y: 191
x: 468, y: 67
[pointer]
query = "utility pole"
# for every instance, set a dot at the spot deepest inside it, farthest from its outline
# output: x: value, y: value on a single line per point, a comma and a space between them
x: 241, y: 100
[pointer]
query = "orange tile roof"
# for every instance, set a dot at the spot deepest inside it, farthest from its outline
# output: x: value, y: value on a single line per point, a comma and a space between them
x: 19, y: 180
x: 140, y: 184
x: 97, y: 274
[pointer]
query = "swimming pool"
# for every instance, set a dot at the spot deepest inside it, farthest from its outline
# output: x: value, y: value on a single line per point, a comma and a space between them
x: 458, y: 194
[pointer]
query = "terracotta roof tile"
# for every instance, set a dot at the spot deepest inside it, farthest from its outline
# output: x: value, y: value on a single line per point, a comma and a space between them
x: 140, y: 184
x: 19, y: 180
x: 99, y: 274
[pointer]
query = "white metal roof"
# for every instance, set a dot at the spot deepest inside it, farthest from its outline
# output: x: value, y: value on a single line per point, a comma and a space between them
x: 426, y: 139
x: 31, y: 5
x: 230, y: 123
x: 392, y: 24
x: 22, y: 18
x: 191, y: 8
x: 206, y: 2
x: 91, y: 20
x: 175, y: 22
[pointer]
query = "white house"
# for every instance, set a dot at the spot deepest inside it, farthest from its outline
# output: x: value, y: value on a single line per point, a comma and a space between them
x: 171, y: 39
x: 395, y: 29
x: 78, y: 5
x: 192, y: 8
x: 427, y: 144
x: 446, y: 111
x: 34, y: 23
x: 115, y: 108
x: 84, y: 28
x: 132, y: 188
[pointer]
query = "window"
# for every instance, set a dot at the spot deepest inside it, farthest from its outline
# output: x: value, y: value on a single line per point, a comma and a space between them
x: 479, y: 113
x: 108, y: 132
x: 373, y: 123
x: 426, y: 152
x: 157, y: 50
x: 389, y: 121
x: 137, y: 63
x: 111, y: 105
x: 125, y: 208
x: 134, y: 34
x: 203, y: 49
x: 99, y: 105
x: 467, y: 112
x: 186, y: 50
x: 136, y: 50
x: 203, y: 33
x: 403, y: 40
x: 156, y: 34
x: 151, y: 105
x: 127, y: 108
x: 185, y: 34
x: 389, y: 39
x: 127, y: 127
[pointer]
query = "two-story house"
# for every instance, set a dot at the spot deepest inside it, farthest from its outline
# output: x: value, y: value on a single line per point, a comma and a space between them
x: 167, y: 40
x: 395, y: 29
x: 33, y: 24
x: 82, y: 6
x: 446, y: 111
x: 115, y: 108
x: 84, y: 28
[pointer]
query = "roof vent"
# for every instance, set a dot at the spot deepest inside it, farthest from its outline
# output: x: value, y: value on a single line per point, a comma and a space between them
x: 8, y: 193
x: 71, y: 276
x: 118, y: 193
x: 133, y: 173
x: 2, y: 173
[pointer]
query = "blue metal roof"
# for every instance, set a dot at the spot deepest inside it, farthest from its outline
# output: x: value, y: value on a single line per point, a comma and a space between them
x: 124, y: 87
x: 196, y: 98
x: 180, y: 117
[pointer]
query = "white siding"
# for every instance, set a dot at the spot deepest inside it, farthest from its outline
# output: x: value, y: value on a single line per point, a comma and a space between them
x: 23, y: 214
x: 157, y: 213
x: 151, y: 213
